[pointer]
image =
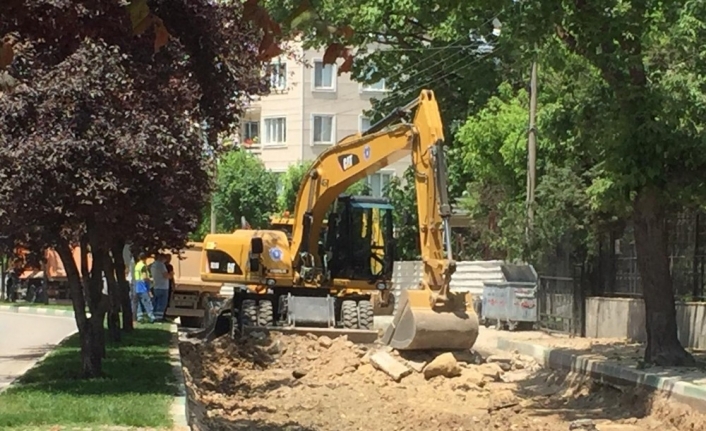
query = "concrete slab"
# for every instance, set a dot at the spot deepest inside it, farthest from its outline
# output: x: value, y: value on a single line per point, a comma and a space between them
x: 384, y: 362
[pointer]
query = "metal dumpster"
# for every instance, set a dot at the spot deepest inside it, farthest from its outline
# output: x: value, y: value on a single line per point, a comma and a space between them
x: 511, y: 304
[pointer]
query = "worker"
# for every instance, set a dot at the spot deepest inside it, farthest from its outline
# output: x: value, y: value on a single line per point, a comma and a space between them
x: 141, y: 278
x: 170, y: 270
x: 160, y: 278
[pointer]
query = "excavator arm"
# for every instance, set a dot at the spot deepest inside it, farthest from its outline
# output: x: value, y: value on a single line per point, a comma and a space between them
x: 431, y: 316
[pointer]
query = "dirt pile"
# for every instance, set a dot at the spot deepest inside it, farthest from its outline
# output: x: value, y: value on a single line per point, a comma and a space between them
x: 316, y: 383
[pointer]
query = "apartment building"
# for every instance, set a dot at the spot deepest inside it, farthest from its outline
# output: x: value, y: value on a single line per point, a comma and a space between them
x: 309, y: 109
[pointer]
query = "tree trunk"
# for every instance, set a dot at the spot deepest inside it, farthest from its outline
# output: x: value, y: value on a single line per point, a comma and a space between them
x: 123, y: 285
x: 85, y: 273
x: 90, y: 364
x: 663, y: 346
x: 97, y: 302
x: 113, y: 298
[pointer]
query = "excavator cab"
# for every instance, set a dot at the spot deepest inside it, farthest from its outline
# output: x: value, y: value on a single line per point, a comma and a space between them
x: 360, y: 239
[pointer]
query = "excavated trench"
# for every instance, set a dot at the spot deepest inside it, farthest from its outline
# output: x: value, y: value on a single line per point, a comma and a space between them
x: 307, y: 383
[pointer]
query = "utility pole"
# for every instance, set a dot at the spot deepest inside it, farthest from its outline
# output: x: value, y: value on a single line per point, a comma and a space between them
x: 213, y: 195
x: 532, y: 147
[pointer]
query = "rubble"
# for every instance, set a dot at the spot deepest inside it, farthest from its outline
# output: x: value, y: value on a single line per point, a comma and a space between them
x: 308, y: 383
x: 384, y: 362
x: 443, y: 365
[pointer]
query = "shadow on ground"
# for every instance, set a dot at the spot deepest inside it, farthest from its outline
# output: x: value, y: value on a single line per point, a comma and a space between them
x: 30, y: 354
x: 238, y: 425
x: 574, y: 397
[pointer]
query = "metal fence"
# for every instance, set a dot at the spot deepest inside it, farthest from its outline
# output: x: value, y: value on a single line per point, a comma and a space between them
x: 687, y: 258
x: 561, y: 303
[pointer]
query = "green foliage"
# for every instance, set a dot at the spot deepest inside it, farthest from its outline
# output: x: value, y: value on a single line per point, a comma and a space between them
x: 291, y: 181
x: 244, y: 189
x: 405, y: 218
x: 492, y: 144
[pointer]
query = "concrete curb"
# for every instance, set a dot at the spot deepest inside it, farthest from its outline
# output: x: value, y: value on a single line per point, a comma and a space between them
x: 179, y: 407
x: 558, y: 359
x: 25, y: 309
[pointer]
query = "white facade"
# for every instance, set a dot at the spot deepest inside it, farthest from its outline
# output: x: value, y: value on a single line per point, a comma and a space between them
x: 309, y: 109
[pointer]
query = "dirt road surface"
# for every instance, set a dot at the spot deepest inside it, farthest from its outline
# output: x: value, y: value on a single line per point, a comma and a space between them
x: 25, y: 338
x: 305, y: 383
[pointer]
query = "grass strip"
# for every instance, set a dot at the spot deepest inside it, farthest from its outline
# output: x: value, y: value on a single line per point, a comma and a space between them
x: 136, y: 391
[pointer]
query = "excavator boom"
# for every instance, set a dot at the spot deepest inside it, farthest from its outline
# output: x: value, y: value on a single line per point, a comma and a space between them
x: 432, y: 317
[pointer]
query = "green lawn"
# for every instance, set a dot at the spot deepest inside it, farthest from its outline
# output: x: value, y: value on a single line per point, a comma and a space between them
x: 137, y: 390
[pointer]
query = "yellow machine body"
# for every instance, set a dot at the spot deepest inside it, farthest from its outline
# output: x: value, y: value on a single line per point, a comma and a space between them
x: 324, y: 255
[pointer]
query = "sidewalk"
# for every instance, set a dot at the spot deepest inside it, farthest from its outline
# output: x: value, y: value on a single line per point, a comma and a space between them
x: 612, y: 360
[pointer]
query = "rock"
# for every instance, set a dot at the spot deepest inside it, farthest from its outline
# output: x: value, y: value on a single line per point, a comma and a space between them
x: 491, y: 371
x: 469, y: 356
x: 257, y: 335
x: 502, y: 399
x: 311, y: 336
x: 298, y: 373
x: 325, y: 342
x: 473, y: 377
x: 583, y: 425
x: 276, y: 348
x: 504, y: 362
x: 417, y: 366
x: 515, y: 376
x: 384, y: 362
x: 312, y: 357
x: 443, y: 365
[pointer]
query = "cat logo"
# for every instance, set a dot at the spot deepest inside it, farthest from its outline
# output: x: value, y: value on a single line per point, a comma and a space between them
x: 347, y: 161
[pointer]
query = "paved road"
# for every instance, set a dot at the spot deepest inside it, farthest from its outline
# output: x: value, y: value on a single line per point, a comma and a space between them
x: 25, y: 338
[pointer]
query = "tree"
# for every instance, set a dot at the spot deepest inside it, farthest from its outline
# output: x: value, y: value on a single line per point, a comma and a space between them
x: 244, y: 188
x: 401, y: 193
x: 97, y: 142
x: 291, y: 181
x: 643, y: 116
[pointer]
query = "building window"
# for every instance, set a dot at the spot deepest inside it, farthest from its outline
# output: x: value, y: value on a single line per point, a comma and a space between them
x: 378, y: 86
x: 278, y: 75
x: 275, y: 131
x: 323, y: 129
x: 378, y: 183
x: 364, y: 124
x: 251, y: 130
x: 324, y: 76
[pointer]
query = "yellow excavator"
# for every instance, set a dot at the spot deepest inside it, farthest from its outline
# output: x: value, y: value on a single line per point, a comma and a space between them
x: 304, y: 283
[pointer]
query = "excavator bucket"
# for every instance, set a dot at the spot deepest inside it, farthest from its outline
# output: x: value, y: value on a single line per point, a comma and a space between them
x: 417, y: 326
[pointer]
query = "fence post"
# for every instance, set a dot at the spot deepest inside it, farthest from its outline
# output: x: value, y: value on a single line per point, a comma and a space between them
x: 579, y: 307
